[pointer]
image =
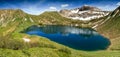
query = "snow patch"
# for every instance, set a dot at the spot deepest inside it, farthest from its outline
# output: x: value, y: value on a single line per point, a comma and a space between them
x: 105, y: 20
x: 87, y: 18
x: 95, y: 26
x: 26, y: 39
x: 76, y: 24
x: 25, y: 19
x: 115, y: 13
x: 2, y: 15
x: 86, y: 15
x: 31, y: 19
x: 13, y: 19
x: 1, y: 19
x: 74, y: 11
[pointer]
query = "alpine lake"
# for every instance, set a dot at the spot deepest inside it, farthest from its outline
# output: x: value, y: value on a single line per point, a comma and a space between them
x: 77, y: 38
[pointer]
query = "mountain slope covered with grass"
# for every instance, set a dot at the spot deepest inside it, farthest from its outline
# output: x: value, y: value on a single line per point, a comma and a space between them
x: 110, y: 28
x: 12, y: 22
x: 13, y: 43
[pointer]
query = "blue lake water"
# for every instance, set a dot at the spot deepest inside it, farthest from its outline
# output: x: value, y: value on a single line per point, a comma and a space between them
x: 73, y: 37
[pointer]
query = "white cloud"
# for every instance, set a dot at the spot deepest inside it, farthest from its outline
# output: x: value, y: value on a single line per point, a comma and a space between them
x: 53, y: 8
x: 107, y: 7
x: 32, y: 10
x: 118, y: 3
x: 64, y: 5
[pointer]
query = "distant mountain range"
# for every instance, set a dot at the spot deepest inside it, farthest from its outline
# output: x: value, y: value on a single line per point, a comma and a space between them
x: 17, y: 20
x: 84, y: 13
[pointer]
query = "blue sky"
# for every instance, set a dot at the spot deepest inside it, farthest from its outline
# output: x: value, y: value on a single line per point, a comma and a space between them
x: 36, y: 7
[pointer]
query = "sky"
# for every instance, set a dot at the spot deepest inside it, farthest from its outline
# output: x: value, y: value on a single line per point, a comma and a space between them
x: 37, y: 7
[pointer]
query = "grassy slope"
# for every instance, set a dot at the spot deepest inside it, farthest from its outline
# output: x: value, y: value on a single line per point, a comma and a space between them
x: 12, y: 44
x: 111, y: 29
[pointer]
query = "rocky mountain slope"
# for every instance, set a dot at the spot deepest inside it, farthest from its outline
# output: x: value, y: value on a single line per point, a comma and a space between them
x: 84, y: 13
x: 110, y: 28
x: 111, y: 24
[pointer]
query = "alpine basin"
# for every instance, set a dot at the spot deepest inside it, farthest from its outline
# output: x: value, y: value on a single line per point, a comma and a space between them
x: 73, y: 37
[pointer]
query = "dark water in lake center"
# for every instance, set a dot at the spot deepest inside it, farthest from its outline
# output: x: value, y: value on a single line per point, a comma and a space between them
x: 76, y: 38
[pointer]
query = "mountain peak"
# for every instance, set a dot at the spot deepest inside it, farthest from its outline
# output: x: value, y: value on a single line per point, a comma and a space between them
x: 85, y: 12
x: 87, y: 7
x: 118, y: 7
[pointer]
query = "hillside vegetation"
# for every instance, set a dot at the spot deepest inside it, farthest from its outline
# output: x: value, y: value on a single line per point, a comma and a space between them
x: 111, y: 29
x: 13, y: 44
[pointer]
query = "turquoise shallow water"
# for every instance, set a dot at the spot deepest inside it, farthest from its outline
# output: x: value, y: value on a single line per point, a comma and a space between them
x: 76, y: 38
